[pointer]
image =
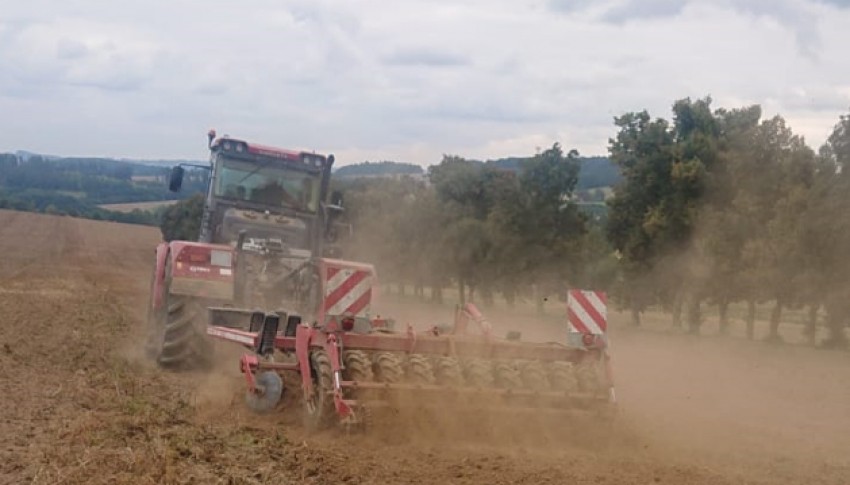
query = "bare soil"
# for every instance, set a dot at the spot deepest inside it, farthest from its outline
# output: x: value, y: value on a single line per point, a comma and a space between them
x: 80, y: 404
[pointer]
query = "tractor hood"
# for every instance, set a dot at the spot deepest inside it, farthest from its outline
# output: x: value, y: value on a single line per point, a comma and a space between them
x: 290, y: 231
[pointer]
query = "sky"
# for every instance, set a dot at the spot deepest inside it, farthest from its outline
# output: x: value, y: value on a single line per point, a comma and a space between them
x: 406, y: 80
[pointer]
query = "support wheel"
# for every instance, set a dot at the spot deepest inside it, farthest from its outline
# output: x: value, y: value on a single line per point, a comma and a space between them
x: 562, y: 377
x: 387, y: 367
x: 448, y: 372
x: 507, y: 375
x: 419, y: 370
x: 269, y: 390
x: 319, y: 406
x: 357, y: 366
x: 534, y: 376
x: 478, y: 373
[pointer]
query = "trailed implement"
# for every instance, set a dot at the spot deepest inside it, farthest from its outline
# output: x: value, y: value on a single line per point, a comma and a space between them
x: 266, y: 274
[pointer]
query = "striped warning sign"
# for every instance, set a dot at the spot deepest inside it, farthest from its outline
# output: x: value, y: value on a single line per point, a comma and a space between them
x: 587, y: 312
x: 347, y: 290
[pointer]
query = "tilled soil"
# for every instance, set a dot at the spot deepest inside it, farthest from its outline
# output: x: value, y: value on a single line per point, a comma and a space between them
x: 79, y: 403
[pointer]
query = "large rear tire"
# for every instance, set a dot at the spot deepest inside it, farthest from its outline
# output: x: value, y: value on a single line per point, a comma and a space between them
x: 184, y: 340
x: 178, y: 339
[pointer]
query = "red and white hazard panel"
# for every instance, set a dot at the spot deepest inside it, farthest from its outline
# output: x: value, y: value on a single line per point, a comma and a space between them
x: 348, y: 289
x: 587, y: 312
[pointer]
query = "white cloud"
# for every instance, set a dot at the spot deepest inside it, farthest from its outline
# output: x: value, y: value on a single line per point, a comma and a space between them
x: 402, y: 80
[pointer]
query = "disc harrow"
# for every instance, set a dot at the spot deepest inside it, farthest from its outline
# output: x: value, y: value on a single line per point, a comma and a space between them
x: 345, y: 375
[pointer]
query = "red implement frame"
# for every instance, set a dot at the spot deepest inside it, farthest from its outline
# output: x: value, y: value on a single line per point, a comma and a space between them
x: 457, y: 343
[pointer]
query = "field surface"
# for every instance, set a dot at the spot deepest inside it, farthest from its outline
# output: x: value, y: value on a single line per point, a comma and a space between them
x: 80, y: 404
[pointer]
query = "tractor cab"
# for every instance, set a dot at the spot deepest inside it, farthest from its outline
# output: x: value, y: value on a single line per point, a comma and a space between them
x: 271, y: 206
x: 272, y: 196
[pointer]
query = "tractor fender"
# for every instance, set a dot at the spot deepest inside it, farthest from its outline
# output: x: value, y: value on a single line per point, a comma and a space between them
x: 162, y: 251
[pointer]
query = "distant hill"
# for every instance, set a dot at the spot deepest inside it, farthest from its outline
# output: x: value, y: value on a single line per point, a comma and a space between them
x: 80, y: 186
x: 596, y: 172
x: 377, y: 169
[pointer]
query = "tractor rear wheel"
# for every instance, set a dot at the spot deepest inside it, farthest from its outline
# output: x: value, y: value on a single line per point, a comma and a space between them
x: 319, y: 406
x: 184, y: 345
x: 179, y: 334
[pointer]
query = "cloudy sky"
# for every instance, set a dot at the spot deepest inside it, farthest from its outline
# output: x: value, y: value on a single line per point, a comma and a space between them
x: 403, y: 80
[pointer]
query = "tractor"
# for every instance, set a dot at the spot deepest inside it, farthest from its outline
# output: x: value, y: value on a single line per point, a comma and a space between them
x: 266, y: 275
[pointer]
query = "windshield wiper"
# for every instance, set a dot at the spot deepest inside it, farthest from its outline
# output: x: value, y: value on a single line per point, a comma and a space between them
x: 252, y: 172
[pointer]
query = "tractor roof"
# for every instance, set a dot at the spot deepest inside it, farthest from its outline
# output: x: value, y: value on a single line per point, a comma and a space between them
x: 228, y: 144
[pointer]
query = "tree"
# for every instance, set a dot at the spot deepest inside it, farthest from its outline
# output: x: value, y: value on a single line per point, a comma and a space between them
x: 645, y: 152
x: 182, y: 221
x: 825, y: 230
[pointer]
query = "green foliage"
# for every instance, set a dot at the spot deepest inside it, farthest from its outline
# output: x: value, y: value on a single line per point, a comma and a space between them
x: 77, y: 186
x: 722, y: 206
x: 487, y: 230
x: 182, y: 221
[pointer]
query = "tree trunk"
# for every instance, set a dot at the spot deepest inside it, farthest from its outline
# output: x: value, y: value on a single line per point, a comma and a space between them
x: 836, y: 318
x: 510, y: 298
x: 487, y: 297
x: 436, y: 294
x: 694, y: 315
x: 538, y: 300
x: 419, y: 289
x: 677, y: 311
x: 811, y: 330
x: 751, y: 319
x: 401, y: 288
x: 723, y: 314
x: 461, y: 291
x: 775, y: 317
x: 635, y: 311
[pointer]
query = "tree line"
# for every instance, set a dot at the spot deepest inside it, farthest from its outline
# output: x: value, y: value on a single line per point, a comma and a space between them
x: 486, y: 230
x: 78, y: 186
x: 714, y: 207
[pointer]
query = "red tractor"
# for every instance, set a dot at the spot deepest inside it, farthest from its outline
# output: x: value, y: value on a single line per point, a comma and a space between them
x: 265, y: 275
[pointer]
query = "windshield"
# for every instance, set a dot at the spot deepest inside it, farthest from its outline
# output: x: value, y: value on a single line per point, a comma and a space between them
x: 271, y: 185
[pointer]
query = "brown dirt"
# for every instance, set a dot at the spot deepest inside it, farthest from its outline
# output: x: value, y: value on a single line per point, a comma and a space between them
x: 79, y: 404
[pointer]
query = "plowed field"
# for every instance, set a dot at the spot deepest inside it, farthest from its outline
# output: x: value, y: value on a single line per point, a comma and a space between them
x: 79, y: 403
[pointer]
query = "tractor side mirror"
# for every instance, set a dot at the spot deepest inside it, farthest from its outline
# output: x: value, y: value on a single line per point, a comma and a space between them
x: 335, y: 208
x: 175, y: 180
